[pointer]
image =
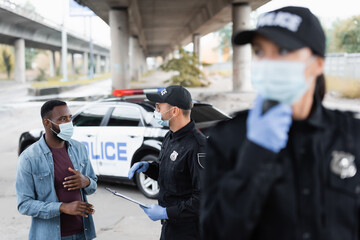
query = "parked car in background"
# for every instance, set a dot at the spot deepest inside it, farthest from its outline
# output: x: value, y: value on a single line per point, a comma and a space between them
x: 118, y: 132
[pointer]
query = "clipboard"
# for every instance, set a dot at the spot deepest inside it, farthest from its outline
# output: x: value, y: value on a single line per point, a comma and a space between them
x: 125, y: 197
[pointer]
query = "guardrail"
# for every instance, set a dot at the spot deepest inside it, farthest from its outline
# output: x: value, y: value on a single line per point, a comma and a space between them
x: 32, y: 15
x: 343, y: 65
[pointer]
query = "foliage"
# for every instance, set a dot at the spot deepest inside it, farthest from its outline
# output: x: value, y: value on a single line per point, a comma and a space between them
x: 7, y: 59
x: 30, y: 55
x: 345, y: 36
x: 41, y: 76
x: 58, y: 71
x: 225, y: 35
x: 187, y: 67
x: 7, y: 62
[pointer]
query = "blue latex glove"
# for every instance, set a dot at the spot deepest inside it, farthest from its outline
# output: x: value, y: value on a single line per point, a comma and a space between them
x: 155, y: 212
x: 138, y: 167
x: 271, y: 129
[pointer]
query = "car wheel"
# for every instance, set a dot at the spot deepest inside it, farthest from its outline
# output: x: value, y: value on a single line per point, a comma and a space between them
x: 148, y: 186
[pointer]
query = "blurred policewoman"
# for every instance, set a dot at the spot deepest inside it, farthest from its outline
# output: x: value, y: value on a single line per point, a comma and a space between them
x: 287, y: 168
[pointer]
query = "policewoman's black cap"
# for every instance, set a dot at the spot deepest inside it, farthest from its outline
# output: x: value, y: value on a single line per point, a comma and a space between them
x: 291, y: 28
x: 175, y: 95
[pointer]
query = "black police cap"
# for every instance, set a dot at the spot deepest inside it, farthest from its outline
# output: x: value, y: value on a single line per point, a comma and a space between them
x: 291, y: 28
x: 175, y: 95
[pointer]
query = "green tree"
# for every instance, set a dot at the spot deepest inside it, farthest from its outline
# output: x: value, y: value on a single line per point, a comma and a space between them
x: 7, y: 62
x: 225, y: 35
x: 30, y: 55
x: 187, y: 66
x: 345, y: 36
x: 6, y: 59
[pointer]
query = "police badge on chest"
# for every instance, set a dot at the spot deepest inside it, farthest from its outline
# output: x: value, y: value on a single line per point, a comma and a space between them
x: 173, y: 155
x: 343, y: 164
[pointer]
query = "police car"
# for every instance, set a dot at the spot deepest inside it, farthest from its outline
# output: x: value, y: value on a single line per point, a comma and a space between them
x: 117, y: 132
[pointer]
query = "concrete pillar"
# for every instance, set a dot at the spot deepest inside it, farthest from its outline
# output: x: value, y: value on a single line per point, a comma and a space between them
x: 134, y: 58
x: 64, y: 48
x: 241, y: 54
x: 119, y: 31
x: 73, y: 64
x: 131, y: 57
x: 139, y: 60
x: 52, y: 70
x: 196, y: 43
x: 144, y: 66
x: 61, y: 63
x: 98, y: 64
x: 20, y: 69
x: 107, y: 64
x: 85, y: 63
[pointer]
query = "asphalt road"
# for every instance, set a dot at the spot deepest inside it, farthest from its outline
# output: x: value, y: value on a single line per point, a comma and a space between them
x: 114, y: 218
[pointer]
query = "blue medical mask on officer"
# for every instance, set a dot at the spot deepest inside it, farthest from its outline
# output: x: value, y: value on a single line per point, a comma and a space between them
x: 159, y: 120
x: 66, y: 130
x: 282, y: 81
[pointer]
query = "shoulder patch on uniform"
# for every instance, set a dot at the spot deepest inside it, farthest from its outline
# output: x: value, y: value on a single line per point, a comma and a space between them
x: 201, y: 159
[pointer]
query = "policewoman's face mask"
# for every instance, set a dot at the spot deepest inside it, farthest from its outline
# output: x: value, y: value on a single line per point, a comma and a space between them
x: 66, y: 130
x: 282, y: 81
x: 159, y: 120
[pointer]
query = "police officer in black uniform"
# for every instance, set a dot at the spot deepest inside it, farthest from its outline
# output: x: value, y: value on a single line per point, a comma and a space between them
x: 178, y: 167
x: 288, y: 168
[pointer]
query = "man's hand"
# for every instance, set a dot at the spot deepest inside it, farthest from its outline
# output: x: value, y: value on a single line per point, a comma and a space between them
x: 76, y: 181
x: 77, y: 208
x: 138, y: 167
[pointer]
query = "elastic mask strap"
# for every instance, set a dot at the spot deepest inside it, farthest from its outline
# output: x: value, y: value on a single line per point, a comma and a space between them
x: 172, y: 115
x: 52, y: 128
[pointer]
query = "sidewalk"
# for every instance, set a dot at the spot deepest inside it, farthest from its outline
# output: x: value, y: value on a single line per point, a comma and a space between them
x: 219, y: 93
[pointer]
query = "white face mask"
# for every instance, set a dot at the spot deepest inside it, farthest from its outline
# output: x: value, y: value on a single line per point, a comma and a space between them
x: 159, y: 120
x: 66, y: 130
x: 282, y: 81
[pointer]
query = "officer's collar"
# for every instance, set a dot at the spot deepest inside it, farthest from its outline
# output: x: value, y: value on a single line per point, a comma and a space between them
x: 316, y: 118
x: 181, y: 132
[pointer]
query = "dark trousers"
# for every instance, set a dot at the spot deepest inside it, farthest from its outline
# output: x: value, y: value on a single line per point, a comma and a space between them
x: 180, y: 231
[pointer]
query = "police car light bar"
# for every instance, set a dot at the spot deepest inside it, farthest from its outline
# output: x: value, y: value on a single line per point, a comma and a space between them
x: 126, y: 92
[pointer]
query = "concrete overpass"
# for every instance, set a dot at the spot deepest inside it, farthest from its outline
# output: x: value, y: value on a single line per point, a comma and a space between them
x: 23, y: 28
x: 157, y: 27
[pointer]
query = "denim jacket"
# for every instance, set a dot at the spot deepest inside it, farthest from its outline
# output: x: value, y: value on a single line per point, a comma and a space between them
x: 35, y: 190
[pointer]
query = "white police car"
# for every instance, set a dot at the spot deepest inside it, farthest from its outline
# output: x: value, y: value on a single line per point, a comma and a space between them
x: 118, y: 132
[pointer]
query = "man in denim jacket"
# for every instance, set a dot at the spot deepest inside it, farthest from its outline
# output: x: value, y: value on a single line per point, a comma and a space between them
x: 54, y: 175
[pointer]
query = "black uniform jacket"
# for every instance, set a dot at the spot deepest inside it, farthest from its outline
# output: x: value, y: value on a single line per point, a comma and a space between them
x: 178, y: 173
x: 307, y: 191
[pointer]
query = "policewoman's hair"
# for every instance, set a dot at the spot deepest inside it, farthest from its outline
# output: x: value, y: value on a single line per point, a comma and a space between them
x: 291, y: 28
x: 48, y: 106
x: 320, y: 87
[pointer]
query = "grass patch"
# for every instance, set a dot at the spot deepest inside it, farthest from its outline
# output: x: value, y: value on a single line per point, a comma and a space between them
x: 348, y: 87
x: 147, y: 73
x: 222, y: 73
x: 56, y: 81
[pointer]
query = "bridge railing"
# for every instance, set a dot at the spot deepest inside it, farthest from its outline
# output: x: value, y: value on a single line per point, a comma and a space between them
x: 32, y: 15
